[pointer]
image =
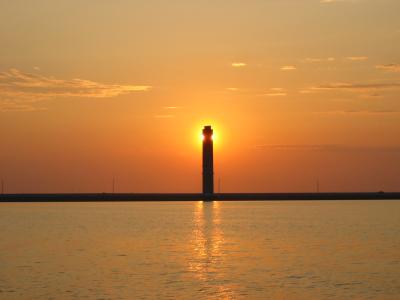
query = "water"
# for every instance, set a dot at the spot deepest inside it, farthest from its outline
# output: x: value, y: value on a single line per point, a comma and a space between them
x: 195, y: 250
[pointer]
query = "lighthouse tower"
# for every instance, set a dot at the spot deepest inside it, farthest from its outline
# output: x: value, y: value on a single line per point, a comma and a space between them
x: 208, y: 161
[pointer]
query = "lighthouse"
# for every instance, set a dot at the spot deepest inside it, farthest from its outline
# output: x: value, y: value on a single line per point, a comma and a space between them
x: 208, y: 161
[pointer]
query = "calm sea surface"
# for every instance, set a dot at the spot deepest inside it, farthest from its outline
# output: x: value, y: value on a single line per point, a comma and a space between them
x: 195, y: 250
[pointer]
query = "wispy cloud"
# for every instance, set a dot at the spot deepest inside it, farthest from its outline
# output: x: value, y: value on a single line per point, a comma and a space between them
x: 297, y: 147
x: 232, y: 89
x: 270, y: 92
x: 308, y: 91
x: 336, y: 1
x: 359, y: 112
x: 238, y: 64
x: 15, y: 105
x: 329, y: 148
x: 172, y: 107
x: 288, y: 68
x: 389, y: 67
x: 329, y: 1
x: 318, y: 60
x: 276, y: 92
x: 357, y: 58
x: 20, y: 89
x: 354, y: 87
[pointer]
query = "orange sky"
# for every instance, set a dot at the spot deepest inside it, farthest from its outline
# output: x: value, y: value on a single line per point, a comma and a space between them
x: 295, y: 90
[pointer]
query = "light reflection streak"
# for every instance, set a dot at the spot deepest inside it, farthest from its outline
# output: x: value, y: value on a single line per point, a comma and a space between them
x: 207, y: 263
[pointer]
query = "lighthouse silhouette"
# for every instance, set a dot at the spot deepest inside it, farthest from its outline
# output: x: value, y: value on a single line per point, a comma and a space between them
x: 208, y: 162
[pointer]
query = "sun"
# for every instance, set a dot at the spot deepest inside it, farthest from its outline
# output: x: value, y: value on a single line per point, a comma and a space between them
x: 201, y: 136
x: 197, y: 134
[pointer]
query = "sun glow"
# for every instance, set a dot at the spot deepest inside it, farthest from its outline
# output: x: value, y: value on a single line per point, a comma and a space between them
x: 197, y: 133
x: 201, y: 136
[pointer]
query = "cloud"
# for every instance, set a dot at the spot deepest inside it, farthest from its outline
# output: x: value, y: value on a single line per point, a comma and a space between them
x: 353, y: 87
x: 329, y: 148
x: 238, y: 64
x: 332, y: 59
x: 335, y: 1
x: 12, y: 105
x: 339, y: 1
x: 357, y: 58
x: 362, y: 90
x: 288, y: 68
x: 330, y: 1
x: 389, y: 67
x: 271, y: 92
x: 317, y: 60
x: 308, y: 91
x: 172, y: 107
x: 276, y: 92
x: 299, y: 147
x: 19, y: 89
x: 232, y: 89
x: 359, y: 112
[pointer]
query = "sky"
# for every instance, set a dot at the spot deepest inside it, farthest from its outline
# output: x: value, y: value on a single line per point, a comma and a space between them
x: 297, y: 91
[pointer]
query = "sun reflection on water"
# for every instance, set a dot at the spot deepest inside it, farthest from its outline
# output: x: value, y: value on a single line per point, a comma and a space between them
x: 207, y: 263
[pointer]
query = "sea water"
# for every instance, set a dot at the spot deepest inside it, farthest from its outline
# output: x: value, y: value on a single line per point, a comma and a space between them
x: 199, y: 250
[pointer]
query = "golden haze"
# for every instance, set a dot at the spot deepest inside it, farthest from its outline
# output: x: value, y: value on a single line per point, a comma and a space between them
x: 95, y: 90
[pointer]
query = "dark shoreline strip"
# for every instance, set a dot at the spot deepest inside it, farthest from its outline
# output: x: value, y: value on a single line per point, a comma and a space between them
x: 99, y: 197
